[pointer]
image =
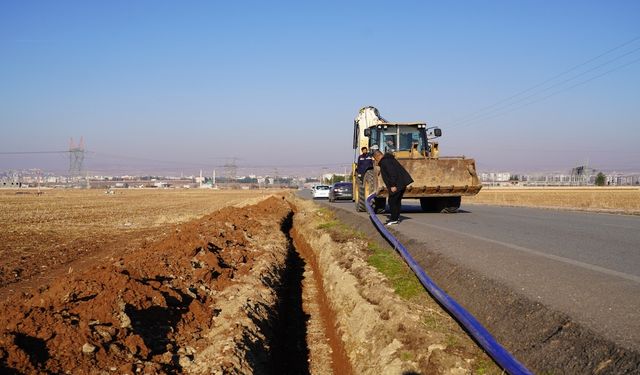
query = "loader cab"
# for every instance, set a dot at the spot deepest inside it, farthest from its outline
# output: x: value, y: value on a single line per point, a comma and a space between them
x: 404, y: 141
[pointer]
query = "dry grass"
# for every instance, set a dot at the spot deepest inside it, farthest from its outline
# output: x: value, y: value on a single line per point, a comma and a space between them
x: 602, y: 199
x: 91, y: 211
x: 40, y: 232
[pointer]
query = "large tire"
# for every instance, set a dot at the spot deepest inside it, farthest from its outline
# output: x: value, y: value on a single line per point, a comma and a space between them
x: 379, y: 205
x: 452, y: 204
x: 428, y: 204
x: 440, y: 204
x: 360, y: 198
x: 365, y: 189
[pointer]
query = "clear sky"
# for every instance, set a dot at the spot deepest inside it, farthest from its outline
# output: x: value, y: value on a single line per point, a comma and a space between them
x: 278, y: 84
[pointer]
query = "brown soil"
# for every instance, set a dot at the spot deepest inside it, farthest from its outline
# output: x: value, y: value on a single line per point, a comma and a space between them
x: 154, y: 309
x: 256, y: 289
x: 44, y: 236
x: 337, y: 356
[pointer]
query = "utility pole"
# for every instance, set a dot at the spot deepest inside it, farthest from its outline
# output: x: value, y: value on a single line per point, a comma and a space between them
x: 587, y: 174
x: 231, y: 169
x: 76, y: 158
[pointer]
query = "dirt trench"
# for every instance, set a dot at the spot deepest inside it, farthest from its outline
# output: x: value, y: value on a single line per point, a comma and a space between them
x: 258, y: 289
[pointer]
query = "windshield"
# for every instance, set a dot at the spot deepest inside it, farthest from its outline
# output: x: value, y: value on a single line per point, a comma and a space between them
x: 398, y: 138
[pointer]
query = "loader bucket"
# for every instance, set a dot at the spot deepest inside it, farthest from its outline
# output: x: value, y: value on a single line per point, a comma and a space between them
x: 441, y: 177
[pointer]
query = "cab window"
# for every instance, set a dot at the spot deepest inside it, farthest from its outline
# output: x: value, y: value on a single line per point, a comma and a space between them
x: 410, y: 138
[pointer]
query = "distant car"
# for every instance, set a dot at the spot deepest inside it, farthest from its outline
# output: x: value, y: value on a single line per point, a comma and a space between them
x: 341, y: 190
x: 320, y: 191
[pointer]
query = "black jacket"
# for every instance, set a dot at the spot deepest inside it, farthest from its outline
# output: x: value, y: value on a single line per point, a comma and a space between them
x: 393, y: 173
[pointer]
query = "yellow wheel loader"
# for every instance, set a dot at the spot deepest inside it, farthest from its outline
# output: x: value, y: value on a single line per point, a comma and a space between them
x: 439, y: 181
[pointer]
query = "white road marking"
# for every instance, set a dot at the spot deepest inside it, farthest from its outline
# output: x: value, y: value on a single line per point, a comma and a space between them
x: 572, y: 262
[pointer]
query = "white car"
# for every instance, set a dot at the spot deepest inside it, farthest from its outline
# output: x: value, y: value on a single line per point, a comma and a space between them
x: 321, y: 191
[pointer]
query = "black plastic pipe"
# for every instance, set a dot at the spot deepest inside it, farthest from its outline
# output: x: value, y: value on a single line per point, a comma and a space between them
x: 499, y: 354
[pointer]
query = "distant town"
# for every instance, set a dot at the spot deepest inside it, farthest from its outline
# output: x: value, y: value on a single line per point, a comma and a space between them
x: 32, y: 178
x: 35, y: 178
x: 579, y: 176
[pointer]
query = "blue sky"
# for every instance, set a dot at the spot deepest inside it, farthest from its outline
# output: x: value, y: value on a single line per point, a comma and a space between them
x: 188, y: 85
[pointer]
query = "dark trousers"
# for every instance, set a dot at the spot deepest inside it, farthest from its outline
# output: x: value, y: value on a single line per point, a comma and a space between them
x: 395, y: 202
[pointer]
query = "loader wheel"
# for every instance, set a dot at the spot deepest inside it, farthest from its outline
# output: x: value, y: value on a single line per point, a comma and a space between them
x: 440, y: 204
x: 364, y: 190
x: 452, y: 205
x: 360, y: 197
x: 379, y: 205
x: 428, y: 204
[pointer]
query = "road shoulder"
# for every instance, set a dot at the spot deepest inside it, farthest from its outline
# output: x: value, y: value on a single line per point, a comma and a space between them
x: 544, y: 339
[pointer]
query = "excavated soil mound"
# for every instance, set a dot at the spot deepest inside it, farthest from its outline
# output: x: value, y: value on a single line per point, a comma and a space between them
x: 251, y: 290
x: 200, y: 301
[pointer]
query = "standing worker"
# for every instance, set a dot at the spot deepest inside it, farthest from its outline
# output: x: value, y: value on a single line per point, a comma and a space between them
x: 396, y: 178
x: 365, y: 161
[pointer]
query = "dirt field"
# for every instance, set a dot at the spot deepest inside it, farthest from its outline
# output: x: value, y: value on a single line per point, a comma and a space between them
x: 162, y: 282
x: 624, y: 200
x: 42, y: 232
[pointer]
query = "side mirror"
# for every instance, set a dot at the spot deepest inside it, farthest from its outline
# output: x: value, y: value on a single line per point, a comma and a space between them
x: 434, y: 132
x: 367, y: 132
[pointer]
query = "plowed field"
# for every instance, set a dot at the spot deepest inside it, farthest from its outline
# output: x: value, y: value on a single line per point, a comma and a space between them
x: 206, y: 282
x: 40, y: 233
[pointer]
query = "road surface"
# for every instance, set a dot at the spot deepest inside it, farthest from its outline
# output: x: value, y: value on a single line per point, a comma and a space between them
x: 586, y: 265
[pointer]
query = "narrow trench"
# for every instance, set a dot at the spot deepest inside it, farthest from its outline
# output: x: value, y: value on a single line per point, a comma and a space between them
x: 340, y: 363
x: 290, y: 349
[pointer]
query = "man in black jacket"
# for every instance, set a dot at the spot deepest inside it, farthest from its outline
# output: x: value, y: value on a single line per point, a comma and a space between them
x: 396, y: 178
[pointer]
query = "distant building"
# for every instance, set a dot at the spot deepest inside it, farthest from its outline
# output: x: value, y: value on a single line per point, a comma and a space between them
x: 578, y: 177
x: 495, y: 178
x: 12, y: 184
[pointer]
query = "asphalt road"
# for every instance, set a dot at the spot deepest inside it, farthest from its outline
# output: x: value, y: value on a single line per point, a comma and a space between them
x: 586, y: 265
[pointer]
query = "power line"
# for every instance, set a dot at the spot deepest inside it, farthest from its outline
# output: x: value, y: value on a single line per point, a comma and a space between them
x: 156, y: 161
x: 538, y: 92
x: 563, y: 150
x: 586, y: 80
x: 551, y: 79
x: 508, y: 102
x: 494, y: 115
x: 238, y: 165
x: 33, y: 152
x: 101, y: 155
